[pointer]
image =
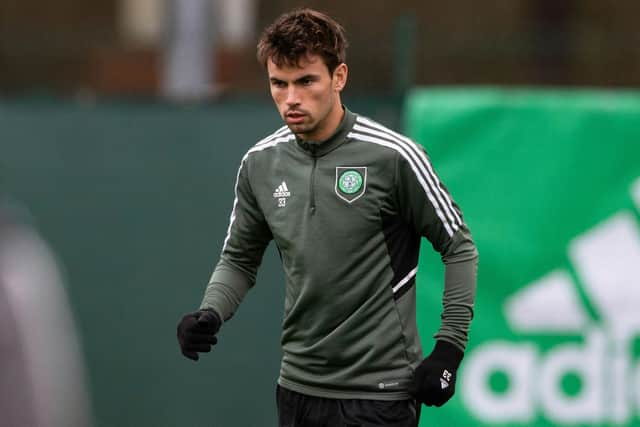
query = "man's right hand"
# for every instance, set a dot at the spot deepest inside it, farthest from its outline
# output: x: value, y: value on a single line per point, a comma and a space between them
x: 197, y: 332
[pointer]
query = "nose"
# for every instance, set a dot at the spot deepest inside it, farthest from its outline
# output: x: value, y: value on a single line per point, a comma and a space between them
x: 292, y: 96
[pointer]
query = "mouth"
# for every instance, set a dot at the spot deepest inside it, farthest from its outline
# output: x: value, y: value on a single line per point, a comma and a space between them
x: 294, y: 117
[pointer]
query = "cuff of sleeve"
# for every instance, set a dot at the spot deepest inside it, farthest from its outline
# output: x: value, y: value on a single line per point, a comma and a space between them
x: 225, y: 291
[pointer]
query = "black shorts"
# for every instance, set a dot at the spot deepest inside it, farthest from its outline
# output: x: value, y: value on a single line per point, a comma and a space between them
x: 300, y: 410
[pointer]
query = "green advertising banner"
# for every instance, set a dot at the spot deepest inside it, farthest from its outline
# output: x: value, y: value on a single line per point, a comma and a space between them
x: 549, y: 183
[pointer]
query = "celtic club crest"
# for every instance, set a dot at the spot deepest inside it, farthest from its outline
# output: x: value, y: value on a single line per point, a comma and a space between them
x: 351, y: 182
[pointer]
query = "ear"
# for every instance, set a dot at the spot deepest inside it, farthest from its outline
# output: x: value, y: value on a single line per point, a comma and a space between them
x: 340, y: 77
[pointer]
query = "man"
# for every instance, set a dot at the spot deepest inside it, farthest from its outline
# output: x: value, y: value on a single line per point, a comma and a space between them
x: 346, y: 201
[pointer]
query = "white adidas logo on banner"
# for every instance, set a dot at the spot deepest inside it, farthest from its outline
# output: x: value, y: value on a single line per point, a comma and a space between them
x: 606, y: 260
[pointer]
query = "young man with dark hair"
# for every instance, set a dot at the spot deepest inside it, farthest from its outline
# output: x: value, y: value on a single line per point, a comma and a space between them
x: 346, y: 201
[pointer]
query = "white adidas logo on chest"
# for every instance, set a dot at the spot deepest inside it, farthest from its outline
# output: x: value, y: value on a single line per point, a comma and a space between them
x: 281, y: 193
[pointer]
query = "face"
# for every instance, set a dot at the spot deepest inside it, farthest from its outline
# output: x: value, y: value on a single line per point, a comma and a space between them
x: 308, y: 97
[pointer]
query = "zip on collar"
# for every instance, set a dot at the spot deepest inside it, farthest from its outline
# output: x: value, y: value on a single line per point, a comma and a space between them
x: 320, y: 148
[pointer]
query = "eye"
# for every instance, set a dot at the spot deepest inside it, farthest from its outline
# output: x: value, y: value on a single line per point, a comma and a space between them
x: 278, y: 83
x: 306, y: 82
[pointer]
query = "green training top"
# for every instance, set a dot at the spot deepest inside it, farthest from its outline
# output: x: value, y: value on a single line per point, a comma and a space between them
x: 347, y: 215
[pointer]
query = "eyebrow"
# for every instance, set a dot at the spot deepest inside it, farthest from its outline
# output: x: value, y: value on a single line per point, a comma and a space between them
x: 313, y: 77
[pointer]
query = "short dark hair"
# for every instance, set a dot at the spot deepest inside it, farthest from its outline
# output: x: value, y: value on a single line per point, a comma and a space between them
x: 299, y: 33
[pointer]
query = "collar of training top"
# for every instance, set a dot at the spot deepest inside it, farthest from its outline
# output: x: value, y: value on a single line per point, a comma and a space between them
x: 334, y: 141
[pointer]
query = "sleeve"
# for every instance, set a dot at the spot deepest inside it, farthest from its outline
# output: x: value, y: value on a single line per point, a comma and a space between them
x: 247, y: 238
x: 424, y: 203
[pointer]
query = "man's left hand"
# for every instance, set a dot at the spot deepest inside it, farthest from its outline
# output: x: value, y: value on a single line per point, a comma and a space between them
x: 434, y: 381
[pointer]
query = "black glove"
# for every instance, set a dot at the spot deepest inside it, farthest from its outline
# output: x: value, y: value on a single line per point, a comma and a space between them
x: 434, y: 381
x: 196, y: 332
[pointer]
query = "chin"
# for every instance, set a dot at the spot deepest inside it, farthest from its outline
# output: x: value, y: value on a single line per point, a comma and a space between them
x: 301, y: 128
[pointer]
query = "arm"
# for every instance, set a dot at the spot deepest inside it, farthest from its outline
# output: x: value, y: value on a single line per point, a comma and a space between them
x: 247, y: 238
x: 425, y: 203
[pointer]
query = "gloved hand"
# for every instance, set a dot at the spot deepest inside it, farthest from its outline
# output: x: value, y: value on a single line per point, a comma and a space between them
x: 434, y: 381
x: 196, y: 332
